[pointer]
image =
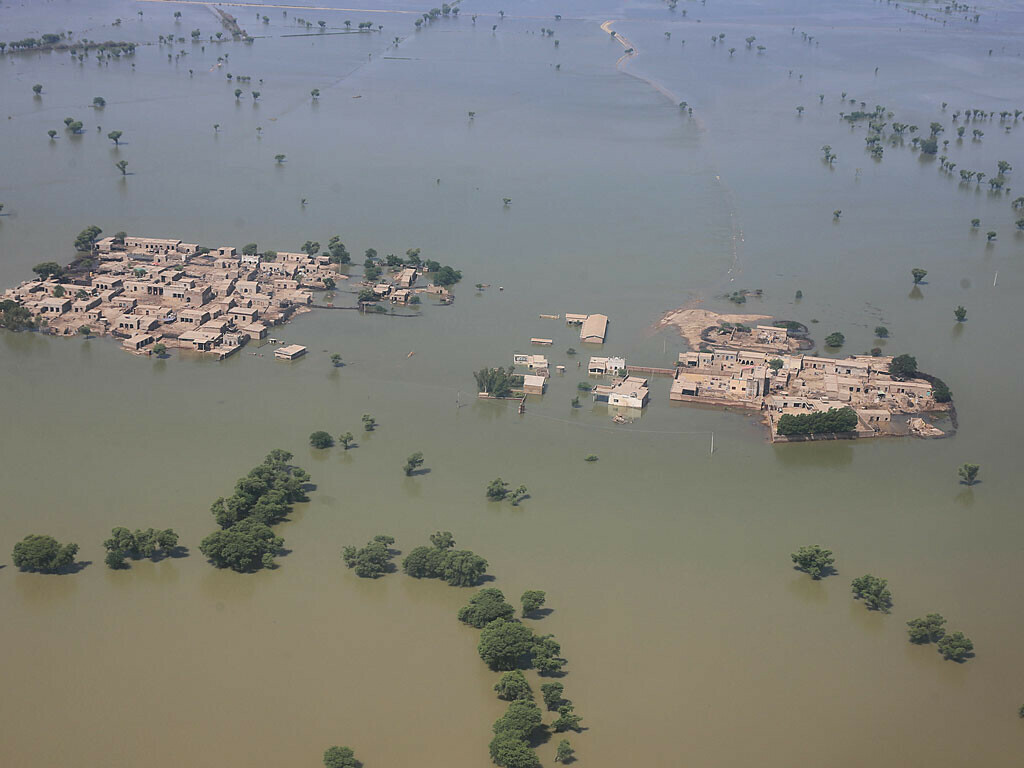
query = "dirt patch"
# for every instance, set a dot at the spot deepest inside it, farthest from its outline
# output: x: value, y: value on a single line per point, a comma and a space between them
x: 691, y: 322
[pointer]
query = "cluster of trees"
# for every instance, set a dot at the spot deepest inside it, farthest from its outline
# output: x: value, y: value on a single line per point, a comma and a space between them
x: 340, y: 757
x: 261, y: 498
x: 499, y: 490
x: 497, y: 382
x: 489, y: 604
x: 506, y: 644
x: 874, y: 591
x: 832, y: 421
x: 954, y: 646
x: 137, y: 544
x: 460, y: 568
x: 86, y: 239
x: 43, y: 554
x: 374, y: 559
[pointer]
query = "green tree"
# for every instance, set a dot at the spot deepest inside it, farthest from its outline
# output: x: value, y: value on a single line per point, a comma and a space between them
x: 424, y: 563
x: 927, y: 630
x: 874, y: 592
x: 315, y: 93
x: 521, y: 719
x: 835, y: 339
x: 814, y: 560
x: 532, y: 600
x: 903, y: 367
x: 37, y: 89
x: 48, y: 269
x: 567, y: 720
x: 138, y: 544
x: 969, y: 473
x: 881, y: 332
x: 346, y: 440
x: 484, y: 607
x: 565, y: 750
x: 446, y: 276
x: 508, y: 751
x: 52, y: 134
x: 115, y: 136
x: 776, y: 364
x: 86, y: 239
x: 255, y: 95
x: 336, y: 360
x: 552, y: 695
x: 956, y: 647
x: 321, y: 439
x: 369, y: 423
x: 122, y: 166
x: 960, y: 313
x: 279, y: 159
x: 546, y: 655
x: 518, y: 495
x: 250, y: 249
x: 462, y: 568
x: 513, y: 686
x: 340, y: 757
x: 99, y: 102
x: 442, y: 539
x: 371, y: 561
x: 504, y: 644
x: 242, y: 546
x: 832, y: 421
x: 238, y: 93
x: 497, y: 382
x: 497, y: 489
x: 414, y: 462
x: 990, y: 235
x: 918, y: 274
x: 43, y: 554
x: 159, y: 349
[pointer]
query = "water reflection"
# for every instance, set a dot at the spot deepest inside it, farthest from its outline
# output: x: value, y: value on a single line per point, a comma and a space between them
x: 815, y: 454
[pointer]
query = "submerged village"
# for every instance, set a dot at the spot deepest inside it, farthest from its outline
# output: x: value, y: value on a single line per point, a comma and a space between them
x: 158, y: 293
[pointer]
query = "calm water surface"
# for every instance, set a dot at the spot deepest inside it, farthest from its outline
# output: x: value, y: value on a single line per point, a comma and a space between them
x: 690, y: 638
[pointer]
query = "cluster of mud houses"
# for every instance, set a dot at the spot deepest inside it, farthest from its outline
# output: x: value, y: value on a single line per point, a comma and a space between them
x: 400, y: 288
x: 152, y: 290
x: 778, y: 383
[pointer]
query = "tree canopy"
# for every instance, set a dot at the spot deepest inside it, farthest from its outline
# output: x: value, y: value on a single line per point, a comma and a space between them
x: 43, y: 554
x: 834, y: 420
x: 505, y: 644
x: 243, y: 547
x: 552, y: 695
x: 48, y: 269
x: 460, y: 568
x: 513, y: 686
x: 370, y: 561
x: 497, y: 382
x: 266, y: 493
x: 903, y: 367
x: 927, y: 630
x: 484, y: 607
x: 874, y: 592
x: 138, y: 544
x: 956, y: 647
x: 340, y: 757
x: 814, y: 560
x: 532, y: 600
x: 86, y: 239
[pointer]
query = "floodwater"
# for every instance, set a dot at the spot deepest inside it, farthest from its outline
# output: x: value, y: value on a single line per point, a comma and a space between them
x: 690, y: 639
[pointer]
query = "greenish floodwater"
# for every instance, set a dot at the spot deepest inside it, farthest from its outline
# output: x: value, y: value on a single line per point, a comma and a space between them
x: 690, y: 638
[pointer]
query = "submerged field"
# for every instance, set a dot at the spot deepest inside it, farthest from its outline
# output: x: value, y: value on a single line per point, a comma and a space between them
x: 690, y: 638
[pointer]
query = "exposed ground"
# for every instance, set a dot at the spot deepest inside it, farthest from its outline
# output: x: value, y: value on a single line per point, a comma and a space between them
x: 691, y: 322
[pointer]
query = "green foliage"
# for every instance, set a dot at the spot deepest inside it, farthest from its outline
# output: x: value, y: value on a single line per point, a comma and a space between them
x: 814, y: 560
x: 969, y: 473
x: 511, y: 752
x: 373, y: 560
x: 159, y: 349
x: 960, y: 313
x: 513, y: 686
x: 584, y: 386
x: 567, y: 720
x: 497, y: 382
x: 940, y: 391
x: 552, y: 695
x: 590, y: 457
x: 903, y: 367
x: 115, y: 136
x: 505, y: 644
x: 776, y: 364
x: 956, y: 647
x: 565, y: 752
x: 48, y: 269
x: 460, y: 568
x: 926, y: 630
x: 522, y: 717
x: 369, y: 423
x: 15, y: 317
x: 250, y: 249
x: 929, y: 145
x: 446, y: 276
x: 138, y: 544
x: 338, y: 253
x: 881, y: 332
x: 918, y: 274
x: 414, y: 462
x: 497, y: 490
x: 37, y: 89
x: 518, y: 495
x: 86, y: 239
x: 346, y: 440
x: 484, y: 607
x: 242, y: 546
x: 265, y: 494
x: 546, y: 656
x: 340, y: 757
x: 321, y: 439
x: 832, y: 421
x: 43, y: 554
x: 532, y: 600
x: 835, y: 339
x: 874, y: 592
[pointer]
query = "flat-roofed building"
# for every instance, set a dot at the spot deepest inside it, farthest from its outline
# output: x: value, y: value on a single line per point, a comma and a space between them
x: 290, y: 352
x: 594, y: 329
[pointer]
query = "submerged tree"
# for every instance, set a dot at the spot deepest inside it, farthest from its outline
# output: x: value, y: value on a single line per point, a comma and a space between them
x: 969, y: 473
x: 414, y: 462
x: 918, y: 274
x: 960, y: 313
x: 43, y: 554
x: 874, y: 591
x: 956, y: 647
x: 814, y: 560
x: 926, y: 630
